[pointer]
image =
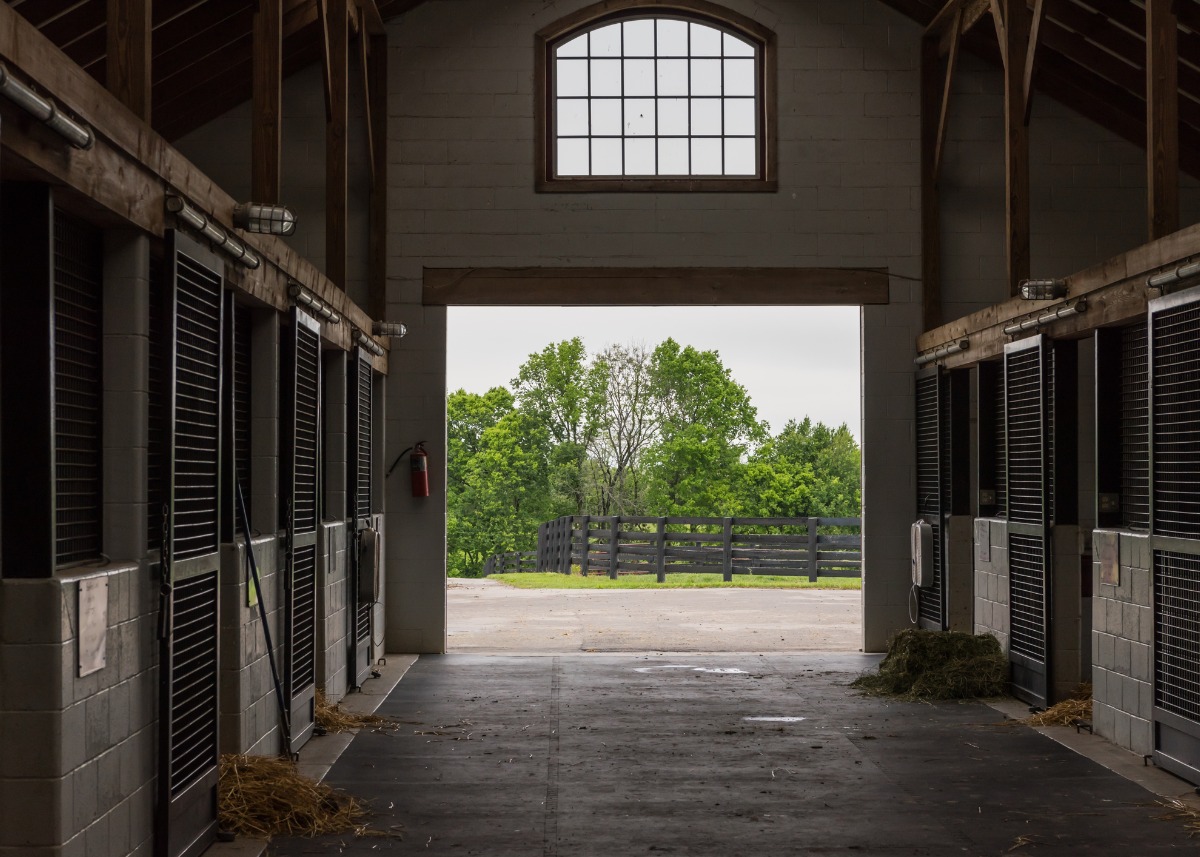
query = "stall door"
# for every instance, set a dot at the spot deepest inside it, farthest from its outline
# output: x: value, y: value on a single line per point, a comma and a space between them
x: 187, y: 778
x: 301, y: 444
x: 932, y: 482
x: 1175, y: 529
x: 1027, y: 434
x: 361, y: 391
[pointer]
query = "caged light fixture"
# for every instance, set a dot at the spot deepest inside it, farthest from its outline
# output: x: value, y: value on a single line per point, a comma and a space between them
x: 1043, y: 290
x: 264, y: 219
x: 311, y: 302
x: 46, y: 111
x: 392, y: 330
x: 210, y: 230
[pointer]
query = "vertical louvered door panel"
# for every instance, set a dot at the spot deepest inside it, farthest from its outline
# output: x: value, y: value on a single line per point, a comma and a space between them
x: 931, y: 490
x: 1174, y: 489
x: 360, y: 393
x: 1028, y: 394
x: 302, y: 421
x: 187, y: 779
x: 1135, y: 428
x: 236, y: 399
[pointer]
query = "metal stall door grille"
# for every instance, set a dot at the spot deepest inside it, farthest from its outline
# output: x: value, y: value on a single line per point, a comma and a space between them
x: 197, y: 409
x: 929, y: 488
x: 303, y: 648
x: 193, y: 721
x: 241, y: 403
x: 1027, y: 596
x: 1176, y: 396
x: 364, y: 414
x: 307, y: 428
x: 1000, y: 452
x: 78, y: 272
x: 1135, y: 430
x: 1177, y: 633
x: 1050, y: 378
x: 157, y: 459
x: 1025, y: 437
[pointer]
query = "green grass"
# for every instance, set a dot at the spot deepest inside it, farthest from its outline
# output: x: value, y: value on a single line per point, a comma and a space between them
x: 674, y: 581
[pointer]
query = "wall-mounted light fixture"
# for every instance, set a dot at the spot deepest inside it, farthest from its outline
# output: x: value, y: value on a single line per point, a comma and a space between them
x: 264, y: 219
x: 45, y: 111
x: 309, y: 301
x: 202, y: 225
x: 392, y: 330
x: 927, y: 357
x: 368, y: 343
x: 1043, y: 290
x: 1169, y: 278
x: 1048, y: 317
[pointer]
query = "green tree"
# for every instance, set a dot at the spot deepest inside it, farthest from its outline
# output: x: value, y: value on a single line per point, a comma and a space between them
x: 808, y: 469
x: 628, y: 424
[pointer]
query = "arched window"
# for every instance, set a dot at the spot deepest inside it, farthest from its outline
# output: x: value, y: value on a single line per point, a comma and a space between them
x: 656, y: 96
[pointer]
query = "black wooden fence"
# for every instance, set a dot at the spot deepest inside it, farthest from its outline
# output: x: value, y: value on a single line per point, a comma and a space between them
x: 810, y: 547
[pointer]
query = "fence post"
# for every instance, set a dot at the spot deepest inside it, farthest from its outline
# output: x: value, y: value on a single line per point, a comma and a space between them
x: 541, y: 553
x: 727, y: 549
x: 614, y: 546
x: 661, y: 558
x: 585, y: 531
x: 813, y: 570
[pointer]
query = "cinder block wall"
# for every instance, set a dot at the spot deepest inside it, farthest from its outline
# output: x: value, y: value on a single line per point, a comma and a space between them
x: 333, y: 578
x: 991, y: 579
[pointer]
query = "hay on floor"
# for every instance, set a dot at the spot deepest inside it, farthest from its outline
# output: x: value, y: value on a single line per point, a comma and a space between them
x: 1066, y: 713
x: 333, y: 718
x: 261, y: 796
x: 930, y: 665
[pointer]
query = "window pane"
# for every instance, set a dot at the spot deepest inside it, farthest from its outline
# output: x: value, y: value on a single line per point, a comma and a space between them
x: 606, y: 41
x: 706, y: 116
x: 672, y: 38
x: 739, y: 77
x: 672, y: 77
x: 672, y: 157
x: 572, y: 117
x: 571, y: 78
x: 572, y: 157
x: 606, y: 157
x: 639, y: 117
x: 741, y: 155
x: 639, y: 77
x: 639, y: 38
x: 606, y: 77
x: 739, y: 116
x: 706, y: 42
x: 706, y: 77
x: 639, y: 157
x: 706, y: 157
x: 606, y: 117
x: 673, y: 116
x: 577, y: 47
x: 735, y: 47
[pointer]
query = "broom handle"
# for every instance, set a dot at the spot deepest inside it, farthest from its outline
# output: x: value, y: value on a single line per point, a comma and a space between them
x: 284, y: 719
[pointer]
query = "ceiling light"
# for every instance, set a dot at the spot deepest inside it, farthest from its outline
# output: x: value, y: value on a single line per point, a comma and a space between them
x: 264, y: 219
x: 1043, y: 290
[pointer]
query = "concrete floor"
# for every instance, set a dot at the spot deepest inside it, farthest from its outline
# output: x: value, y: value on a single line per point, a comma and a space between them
x: 633, y: 754
x: 486, y: 616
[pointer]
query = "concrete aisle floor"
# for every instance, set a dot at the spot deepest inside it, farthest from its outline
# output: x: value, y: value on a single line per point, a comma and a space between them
x: 624, y: 754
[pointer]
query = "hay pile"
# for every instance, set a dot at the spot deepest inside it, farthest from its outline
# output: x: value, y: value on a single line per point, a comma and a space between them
x: 261, y: 796
x: 1180, y: 811
x: 332, y: 718
x: 1066, y: 713
x: 939, y: 665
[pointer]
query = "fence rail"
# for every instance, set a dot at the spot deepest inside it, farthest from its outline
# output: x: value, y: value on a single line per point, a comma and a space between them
x: 661, y: 546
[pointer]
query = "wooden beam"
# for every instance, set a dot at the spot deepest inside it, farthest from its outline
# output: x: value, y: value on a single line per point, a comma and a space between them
x: 947, y: 89
x: 1031, y: 55
x: 336, y: 148
x: 931, y: 224
x: 368, y: 13
x: 654, y: 286
x: 947, y: 18
x: 364, y: 61
x: 1162, y: 118
x: 1016, y: 29
x: 998, y: 20
x: 129, y: 53
x: 973, y: 12
x: 267, y: 115
x: 377, y: 98
x: 326, y: 56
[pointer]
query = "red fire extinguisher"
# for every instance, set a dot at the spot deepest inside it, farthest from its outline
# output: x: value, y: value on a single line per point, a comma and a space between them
x: 419, y: 462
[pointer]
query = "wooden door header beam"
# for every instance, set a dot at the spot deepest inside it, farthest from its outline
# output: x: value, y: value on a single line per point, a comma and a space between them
x: 654, y: 286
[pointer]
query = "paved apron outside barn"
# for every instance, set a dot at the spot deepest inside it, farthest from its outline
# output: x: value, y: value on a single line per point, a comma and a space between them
x: 618, y: 754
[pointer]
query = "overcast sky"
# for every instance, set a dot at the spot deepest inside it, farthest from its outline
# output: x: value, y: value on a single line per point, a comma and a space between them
x: 794, y: 361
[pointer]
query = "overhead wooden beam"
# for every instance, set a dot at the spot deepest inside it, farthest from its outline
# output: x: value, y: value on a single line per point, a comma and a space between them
x: 931, y: 224
x: 973, y: 12
x: 998, y: 21
x: 1162, y: 118
x: 267, y: 115
x: 1031, y: 55
x: 654, y: 286
x: 368, y: 13
x: 1016, y: 27
x: 377, y: 98
x: 947, y: 89
x: 128, y: 70
x: 337, y: 64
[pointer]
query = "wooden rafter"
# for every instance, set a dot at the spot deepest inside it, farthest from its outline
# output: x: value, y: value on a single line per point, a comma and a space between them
x: 129, y: 53
x: 1031, y: 55
x: 1162, y: 118
x: 947, y: 89
x: 266, y: 130
x: 337, y: 70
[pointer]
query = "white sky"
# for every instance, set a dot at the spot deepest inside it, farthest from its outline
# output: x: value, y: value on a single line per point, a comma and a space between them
x: 794, y: 361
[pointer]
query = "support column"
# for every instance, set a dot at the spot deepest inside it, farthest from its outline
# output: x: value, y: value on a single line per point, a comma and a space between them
x: 1016, y: 149
x: 267, y: 126
x: 127, y: 71
x: 337, y: 60
x: 1162, y: 118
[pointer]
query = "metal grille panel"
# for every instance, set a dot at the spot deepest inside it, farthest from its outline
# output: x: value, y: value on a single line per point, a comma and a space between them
x: 193, y: 681
x: 364, y: 414
x: 303, y: 651
x: 1026, y: 477
x: 1051, y: 378
x: 1176, y: 402
x: 1177, y: 633
x: 1027, y: 594
x: 78, y: 275
x: 241, y: 402
x: 362, y: 622
x: 197, y: 400
x: 929, y: 488
x: 307, y: 428
x: 1135, y: 431
x: 1000, y: 453
x: 157, y: 464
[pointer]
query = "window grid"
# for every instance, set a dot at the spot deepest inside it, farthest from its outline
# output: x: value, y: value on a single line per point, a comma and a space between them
x: 588, y: 99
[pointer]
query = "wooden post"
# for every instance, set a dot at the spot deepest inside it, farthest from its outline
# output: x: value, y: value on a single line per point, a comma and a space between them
x: 337, y: 25
x: 266, y: 129
x: 585, y: 532
x: 614, y: 546
x: 814, y: 570
x: 128, y: 54
x: 1162, y: 118
x: 543, y: 547
x: 727, y: 550
x: 931, y: 227
x: 377, y: 77
x: 661, y: 557
x: 1016, y: 150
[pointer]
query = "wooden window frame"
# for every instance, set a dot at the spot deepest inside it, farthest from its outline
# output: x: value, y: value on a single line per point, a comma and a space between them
x: 700, y: 11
